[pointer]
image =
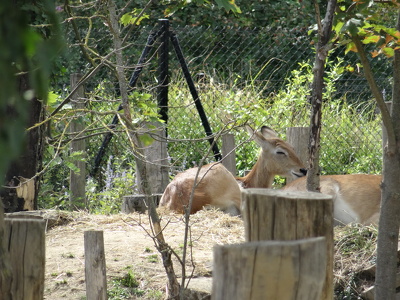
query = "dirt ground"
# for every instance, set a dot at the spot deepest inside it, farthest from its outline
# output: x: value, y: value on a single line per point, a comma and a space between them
x: 129, y: 247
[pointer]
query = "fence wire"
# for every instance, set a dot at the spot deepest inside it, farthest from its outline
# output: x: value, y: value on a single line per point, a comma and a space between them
x: 240, y: 75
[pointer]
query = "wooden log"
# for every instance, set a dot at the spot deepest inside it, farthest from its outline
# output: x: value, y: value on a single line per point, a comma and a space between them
x: 137, y: 203
x: 26, y: 244
x: 292, y: 270
x: 298, y: 137
x: 228, y: 152
x: 77, y: 127
x: 5, y: 267
x: 281, y: 215
x: 95, y: 266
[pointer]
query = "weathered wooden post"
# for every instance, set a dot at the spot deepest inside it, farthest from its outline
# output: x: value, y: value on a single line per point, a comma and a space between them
x: 95, y: 266
x: 280, y: 215
x: 77, y: 127
x: 156, y: 157
x: 228, y: 152
x: 26, y: 245
x: 276, y: 270
x: 298, y: 137
x: 137, y: 203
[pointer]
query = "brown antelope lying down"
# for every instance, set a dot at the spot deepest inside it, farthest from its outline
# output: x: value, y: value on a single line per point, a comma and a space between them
x: 217, y: 187
x: 356, y: 197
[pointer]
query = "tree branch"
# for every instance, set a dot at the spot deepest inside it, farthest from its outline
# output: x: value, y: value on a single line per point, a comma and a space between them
x: 387, y: 121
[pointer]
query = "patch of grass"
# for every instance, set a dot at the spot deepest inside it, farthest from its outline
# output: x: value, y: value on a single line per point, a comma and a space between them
x: 355, y: 251
x: 125, y: 287
x: 68, y: 255
x: 152, y: 258
x: 62, y: 282
x: 154, y: 294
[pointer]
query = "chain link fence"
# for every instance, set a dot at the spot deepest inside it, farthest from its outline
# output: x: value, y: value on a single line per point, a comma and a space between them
x: 239, y: 74
x: 257, y: 76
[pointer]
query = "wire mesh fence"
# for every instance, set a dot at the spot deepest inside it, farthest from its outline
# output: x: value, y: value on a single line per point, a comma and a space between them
x: 239, y: 73
x: 243, y: 75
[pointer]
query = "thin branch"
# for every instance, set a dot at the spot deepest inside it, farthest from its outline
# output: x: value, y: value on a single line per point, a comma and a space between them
x: 377, y: 94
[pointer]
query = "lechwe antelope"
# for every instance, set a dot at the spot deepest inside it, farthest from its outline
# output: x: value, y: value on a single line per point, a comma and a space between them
x: 217, y: 187
x: 356, y: 197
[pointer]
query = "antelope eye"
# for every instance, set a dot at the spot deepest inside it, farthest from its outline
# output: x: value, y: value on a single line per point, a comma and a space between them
x: 280, y: 153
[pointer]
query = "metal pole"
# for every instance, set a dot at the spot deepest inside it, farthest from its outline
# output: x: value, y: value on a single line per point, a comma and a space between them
x: 163, y: 71
x: 132, y: 82
x: 195, y: 96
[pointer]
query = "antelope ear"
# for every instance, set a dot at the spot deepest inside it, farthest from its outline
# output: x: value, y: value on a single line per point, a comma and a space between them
x: 268, y: 133
x: 250, y: 130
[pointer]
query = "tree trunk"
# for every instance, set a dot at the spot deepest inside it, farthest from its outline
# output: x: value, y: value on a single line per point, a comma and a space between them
x: 173, y: 286
x: 322, y: 49
x: 388, y: 234
x: 27, y: 165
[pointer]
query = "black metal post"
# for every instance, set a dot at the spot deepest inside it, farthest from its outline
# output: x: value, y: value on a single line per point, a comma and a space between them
x: 195, y: 96
x: 163, y: 72
x: 132, y: 82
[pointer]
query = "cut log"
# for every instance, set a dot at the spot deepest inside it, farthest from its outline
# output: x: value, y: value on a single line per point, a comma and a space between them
x: 281, y: 270
x: 137, y: 203
x: 26, y: 244
x: 280, y: 215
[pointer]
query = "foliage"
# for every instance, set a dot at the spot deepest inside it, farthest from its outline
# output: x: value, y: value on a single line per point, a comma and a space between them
x: 367, y: 20
x: 23, y: 49
x: 345, y: 149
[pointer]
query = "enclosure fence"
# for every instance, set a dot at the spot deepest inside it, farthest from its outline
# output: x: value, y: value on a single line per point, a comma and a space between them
x: 260, y: 76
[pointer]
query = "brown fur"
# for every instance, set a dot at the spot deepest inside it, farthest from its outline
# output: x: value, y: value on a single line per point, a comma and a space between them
x: 216, y: 186
x: 361, y: 192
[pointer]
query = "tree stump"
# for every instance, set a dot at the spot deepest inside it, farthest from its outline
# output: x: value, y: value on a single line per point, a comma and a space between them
x: 137, y: 203
x: 26, y: 244
x: 282, y: 215
x: 292, y: 270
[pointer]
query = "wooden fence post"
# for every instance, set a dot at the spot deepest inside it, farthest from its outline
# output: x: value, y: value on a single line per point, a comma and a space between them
x: 228, y: 152
x: 156, y: 158
x: 77, y: 180
x: 26, y: 244
x: 95, y: 266
x: 299, y: 137
x: 276, y: 270
x: 281, y: 215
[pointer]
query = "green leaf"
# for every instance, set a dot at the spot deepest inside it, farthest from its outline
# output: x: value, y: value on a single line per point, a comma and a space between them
x: 133, y: 17
x: 126, y: 19
x: 350, y: 47
x: 146, y: 139
x: 371, y: 39
x: 338, y: 27
x: 52, y: 98
x: 389, y: 52
x: 353, y: 25
x: 229, y: 5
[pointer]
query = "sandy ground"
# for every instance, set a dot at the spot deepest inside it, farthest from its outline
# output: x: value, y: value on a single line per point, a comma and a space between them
x: 130, y: 247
